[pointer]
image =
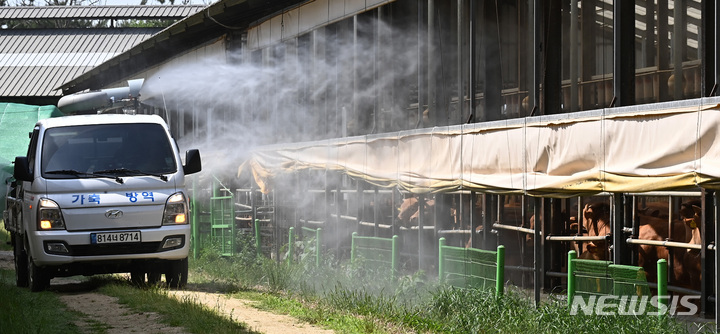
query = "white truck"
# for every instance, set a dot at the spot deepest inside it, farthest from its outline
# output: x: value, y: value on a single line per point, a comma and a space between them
x: 100, y: 194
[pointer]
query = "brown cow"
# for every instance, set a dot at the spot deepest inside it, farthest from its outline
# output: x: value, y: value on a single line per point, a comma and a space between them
x: 595, y: 222
x: 690, y: 213
x: 659, y: 209
x: 653, y: 225
x: 685, y: 266
x: 409, y: 211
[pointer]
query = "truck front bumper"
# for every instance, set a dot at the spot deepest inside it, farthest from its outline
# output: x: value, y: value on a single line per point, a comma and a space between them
x: 56, y: 248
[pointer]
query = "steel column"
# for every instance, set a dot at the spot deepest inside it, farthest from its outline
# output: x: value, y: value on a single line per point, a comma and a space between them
x: 707, y: 257
x: 624, y: 52
x: 620, y: 247
x: 538, y: 258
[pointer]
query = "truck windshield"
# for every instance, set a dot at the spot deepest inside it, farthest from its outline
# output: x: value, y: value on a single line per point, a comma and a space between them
x: 93, y: 150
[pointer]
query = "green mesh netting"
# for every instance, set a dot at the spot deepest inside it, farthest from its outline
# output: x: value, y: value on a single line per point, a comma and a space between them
x: 592, y: 277
x: 629, y: 280
x: 469, y: 267
x: 16, y: 122
x: 604, y: 278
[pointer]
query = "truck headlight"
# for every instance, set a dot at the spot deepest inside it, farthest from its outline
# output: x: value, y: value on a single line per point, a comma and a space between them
x: 176, y: 210
x: 49, y: 215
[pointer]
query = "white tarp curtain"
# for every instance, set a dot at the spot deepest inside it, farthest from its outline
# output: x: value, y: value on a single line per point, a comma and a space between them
x: 669, y: 146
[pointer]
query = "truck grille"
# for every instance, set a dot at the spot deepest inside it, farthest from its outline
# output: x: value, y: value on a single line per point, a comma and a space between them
x: 115, y: 249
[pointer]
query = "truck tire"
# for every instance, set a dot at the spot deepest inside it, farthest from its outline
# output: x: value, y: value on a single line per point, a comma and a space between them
x: 38, y: 280
x: 153, y: 277
x: 137, y: 277
x: 177, y: 273
x: 21, y: 267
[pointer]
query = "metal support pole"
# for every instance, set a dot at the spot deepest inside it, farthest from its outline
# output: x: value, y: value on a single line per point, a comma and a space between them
x: 422, y: 59
x: 709, y: 51
x: 472, y: 62
x: 537, y: 261
x: 432, y: 94
x: 376, y: 212
x: 395, y: 262
x: 318, y: 246
x: 574, y: 98
x: 421, y: 224
x: 291, y: 244
x: 352, y: 247
x: 490, y: 208
x: 338, y: 195
x: 707, y: 258
x: 716, y: 271
x: 545, y: 229
x: 678, y: 47
x: 441, y: 262
x: 474, y: 221
x: 257, y: 238
x: 535, y: 28
x: 461, y: 57
x: 620, y: 248
x: 624, y: 52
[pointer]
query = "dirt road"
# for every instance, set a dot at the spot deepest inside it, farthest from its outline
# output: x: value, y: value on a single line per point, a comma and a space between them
x: 102, y: 311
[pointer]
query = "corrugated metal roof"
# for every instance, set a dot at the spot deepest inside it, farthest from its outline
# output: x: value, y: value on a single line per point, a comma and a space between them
x: 201, y: 27
x: 97, y: 12
x: 36, y: 62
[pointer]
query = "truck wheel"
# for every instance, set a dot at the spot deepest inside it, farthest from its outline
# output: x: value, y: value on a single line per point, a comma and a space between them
x: 37, y: 278
x: 154, y: 277
x: 21, y: 267
x: 177, y: 273
x: 137, y: 277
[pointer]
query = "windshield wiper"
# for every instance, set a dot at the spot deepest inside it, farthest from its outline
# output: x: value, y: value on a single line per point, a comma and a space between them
x: 126, y: 171
x: 78, y: 174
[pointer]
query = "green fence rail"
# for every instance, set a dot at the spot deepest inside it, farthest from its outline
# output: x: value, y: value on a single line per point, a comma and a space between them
x: 472, y: 268
x: 376, y: 252
x: 600, y: 278
x: 313, y: 243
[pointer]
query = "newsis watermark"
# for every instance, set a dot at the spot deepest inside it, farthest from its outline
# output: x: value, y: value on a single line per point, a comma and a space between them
x: 634, y: 305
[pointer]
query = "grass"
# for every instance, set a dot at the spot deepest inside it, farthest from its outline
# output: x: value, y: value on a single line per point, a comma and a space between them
x: 22, y: 311
x: 344, y: 297
x: 184, y: 312
x: 4, y: 237
x: 350, y: 299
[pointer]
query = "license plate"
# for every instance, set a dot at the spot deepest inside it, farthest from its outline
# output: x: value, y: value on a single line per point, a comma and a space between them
x: 115, y: 237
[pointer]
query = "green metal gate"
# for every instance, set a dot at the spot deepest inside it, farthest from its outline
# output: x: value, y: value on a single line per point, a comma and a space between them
x: 222, y: 219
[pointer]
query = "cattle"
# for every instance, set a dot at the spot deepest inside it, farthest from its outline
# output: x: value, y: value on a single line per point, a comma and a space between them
x: 691, y: 214
x: 461, y: 211
x: 595, y: 222
x: 456, y: 218
x: 657, y: 229
x: 409, y: 212
x: 652, y: 221
x: 658, y: 209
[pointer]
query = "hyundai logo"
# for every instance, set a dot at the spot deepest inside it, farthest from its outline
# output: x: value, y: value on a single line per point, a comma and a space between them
x: 113, y: 214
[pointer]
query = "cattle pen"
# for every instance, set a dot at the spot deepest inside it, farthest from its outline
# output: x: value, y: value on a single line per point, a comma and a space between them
x: 526, y: 184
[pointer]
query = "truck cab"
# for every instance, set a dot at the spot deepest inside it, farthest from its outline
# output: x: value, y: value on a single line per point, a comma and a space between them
x: 99, y: 194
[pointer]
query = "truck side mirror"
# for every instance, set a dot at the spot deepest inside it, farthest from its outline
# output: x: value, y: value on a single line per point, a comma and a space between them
x: 21, y: 170
x: 192, y: 162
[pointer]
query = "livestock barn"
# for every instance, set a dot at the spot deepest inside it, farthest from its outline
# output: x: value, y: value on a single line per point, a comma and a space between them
x: 540, y: 126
